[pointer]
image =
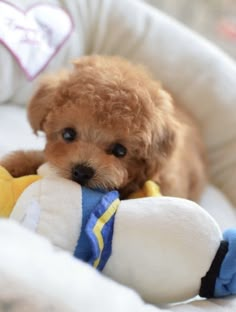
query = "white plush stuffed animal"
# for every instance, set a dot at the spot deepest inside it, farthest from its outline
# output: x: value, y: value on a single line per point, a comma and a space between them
x: 168, y: 249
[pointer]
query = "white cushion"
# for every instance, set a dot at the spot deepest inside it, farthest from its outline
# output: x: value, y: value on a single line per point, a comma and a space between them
x: 198, y: 75
x: 15, y: 131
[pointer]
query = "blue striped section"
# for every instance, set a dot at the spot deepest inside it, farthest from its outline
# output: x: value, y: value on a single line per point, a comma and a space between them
x: 90, y: 200
x: 106, y: 207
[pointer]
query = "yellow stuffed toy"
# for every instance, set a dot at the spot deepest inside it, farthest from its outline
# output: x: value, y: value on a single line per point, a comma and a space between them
x: 11, y: 189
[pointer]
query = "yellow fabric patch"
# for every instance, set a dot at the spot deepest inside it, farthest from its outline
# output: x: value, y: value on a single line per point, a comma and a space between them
x: 149, y: 189
x: 11, y: 189
x: 107, y: 215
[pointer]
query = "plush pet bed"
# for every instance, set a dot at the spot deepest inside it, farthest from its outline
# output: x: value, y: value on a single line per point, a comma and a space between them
x: 35, y: 277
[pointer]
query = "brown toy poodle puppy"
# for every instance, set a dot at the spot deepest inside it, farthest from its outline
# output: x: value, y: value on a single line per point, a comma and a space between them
x: 109, y: 125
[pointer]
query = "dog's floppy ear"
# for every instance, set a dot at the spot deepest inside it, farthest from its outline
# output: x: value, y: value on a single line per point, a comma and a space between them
x: 43, y: 100
x: 165, y: 133
x: 160, y: 150
x: 166, y: 125
x: 166, y: 139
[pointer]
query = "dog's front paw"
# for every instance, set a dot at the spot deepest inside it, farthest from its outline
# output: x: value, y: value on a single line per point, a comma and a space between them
x: 22, y: 163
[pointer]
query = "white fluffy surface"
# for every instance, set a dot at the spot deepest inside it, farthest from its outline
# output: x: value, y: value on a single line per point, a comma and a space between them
x: 33, y: 276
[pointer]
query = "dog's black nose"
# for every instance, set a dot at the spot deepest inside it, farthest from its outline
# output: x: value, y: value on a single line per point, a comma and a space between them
x: 82, y: 173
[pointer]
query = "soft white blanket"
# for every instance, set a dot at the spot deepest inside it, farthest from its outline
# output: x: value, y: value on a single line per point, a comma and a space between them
x: 34, y: 276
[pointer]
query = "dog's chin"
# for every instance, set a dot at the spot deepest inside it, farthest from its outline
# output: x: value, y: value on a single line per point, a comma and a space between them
x: 95, y: 185
x: 102, y: 186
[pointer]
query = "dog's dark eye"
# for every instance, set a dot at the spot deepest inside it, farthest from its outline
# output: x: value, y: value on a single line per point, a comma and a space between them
x: 69, y: 134
x: 117, y: 150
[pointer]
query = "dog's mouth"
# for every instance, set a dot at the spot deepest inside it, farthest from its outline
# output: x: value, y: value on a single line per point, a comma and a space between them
x: 94, y: 186
x: 85, y: 175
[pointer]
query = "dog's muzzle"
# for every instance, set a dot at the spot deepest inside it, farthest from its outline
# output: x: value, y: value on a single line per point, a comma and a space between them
x: 82, y: 174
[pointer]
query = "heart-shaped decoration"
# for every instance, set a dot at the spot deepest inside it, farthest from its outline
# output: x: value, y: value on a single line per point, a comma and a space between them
x: 34, y: 36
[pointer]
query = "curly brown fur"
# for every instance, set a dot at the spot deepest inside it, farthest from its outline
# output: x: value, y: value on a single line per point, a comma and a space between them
x: 107, y: 100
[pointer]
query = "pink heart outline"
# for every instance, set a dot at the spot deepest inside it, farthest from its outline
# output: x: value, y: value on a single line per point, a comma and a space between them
x: 24, y: 12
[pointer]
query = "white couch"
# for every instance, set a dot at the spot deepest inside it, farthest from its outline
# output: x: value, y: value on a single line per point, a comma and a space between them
x: 33, y: 277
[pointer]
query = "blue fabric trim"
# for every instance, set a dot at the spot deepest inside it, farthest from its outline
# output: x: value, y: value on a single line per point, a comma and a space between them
x: 90, y: 199
x: 226, y: 282
x: 107, y: 230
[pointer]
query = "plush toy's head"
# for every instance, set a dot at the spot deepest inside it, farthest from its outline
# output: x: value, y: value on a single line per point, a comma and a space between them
x: 11, y: 189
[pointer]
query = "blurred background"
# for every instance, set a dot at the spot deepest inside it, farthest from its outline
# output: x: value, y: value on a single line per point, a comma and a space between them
x: 214, y: 19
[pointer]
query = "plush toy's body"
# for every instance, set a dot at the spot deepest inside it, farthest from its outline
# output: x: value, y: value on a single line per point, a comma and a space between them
x: 162, y: 247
